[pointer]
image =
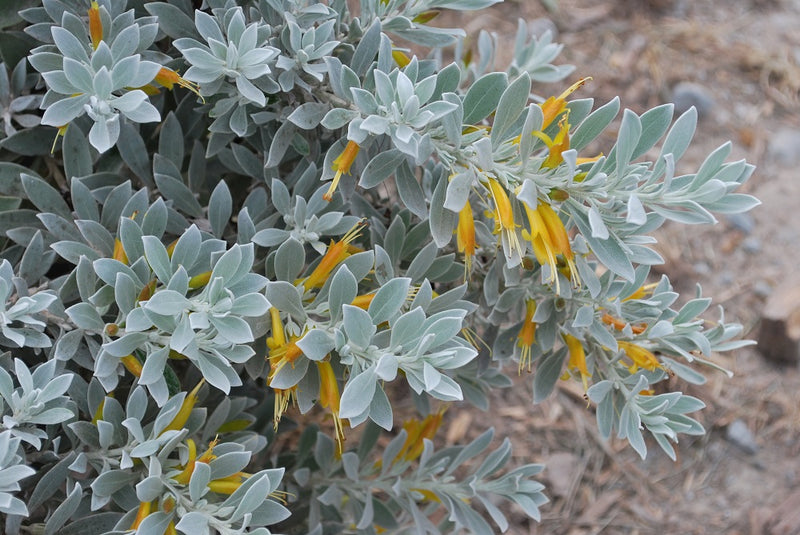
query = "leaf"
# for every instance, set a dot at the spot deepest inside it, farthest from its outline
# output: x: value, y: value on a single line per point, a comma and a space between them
x: 367, y: 49
x: 76, y: 154
x: 483, y: 96
x: 389, y: 299
x: 134, y: 153
x: 309, y: 115
x: 172, y: 20
x: 220, y: 208
x: 510, y: 107
x: 44, y: 196
x: 170, y: 140
x: 179, y: 194
x: 358, y: 393
x: 380, y: 168
x: 410, y: 191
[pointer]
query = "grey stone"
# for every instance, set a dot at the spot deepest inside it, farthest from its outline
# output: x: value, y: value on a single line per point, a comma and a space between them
x: 751, y: 245
x: 701, y: 268
x: 688, y: 94
x: 741, y: 222
x: 762, y: 288
x: 726, y: 278
x: 784, y: 147
x: 740, y: 436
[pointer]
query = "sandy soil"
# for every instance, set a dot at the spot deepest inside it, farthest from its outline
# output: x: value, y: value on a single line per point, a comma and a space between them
x: 745, y: 57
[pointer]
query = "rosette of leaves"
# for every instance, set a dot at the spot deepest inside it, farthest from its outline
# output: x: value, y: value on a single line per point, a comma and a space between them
x: 240, y: 55
x: 95, y: 79
x: 37, y: 401
x: 12, y: 471
x: 20, y: 324
x: 306, y: 221
x: 17, y: 104
x: 304, y: 50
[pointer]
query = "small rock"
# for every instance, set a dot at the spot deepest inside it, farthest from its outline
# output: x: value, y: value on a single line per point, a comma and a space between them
x: 751, y: 245
x: 688, y: 94
x: 740, y: 436
x: 779, y: 334
x: 741, y: 222
x: 784, y: 147
x: 762, y: 288
x: 539, y: 26
x: 701, y: 268
x: 726, y: 278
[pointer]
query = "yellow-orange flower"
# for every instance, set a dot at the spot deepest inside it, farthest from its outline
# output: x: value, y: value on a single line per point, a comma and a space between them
x: 168, y: 78
x: 619, y: 324
x: 400, y: 58
x: 185, y: 411
x: 341, y: 165
x: 465, y: 237
x: 141, y: 514
x: 281, y: 353
x: 329, y: 398
x: 336, y: 253
x: 641, y: 357
x: 527, y: 336
x: 549, y: 238
x: 95, y: 25
x: 555, y: 106
x: 577, y: 359
x: 503, y: 215
x: 417, y: 431
x: 556, y: 145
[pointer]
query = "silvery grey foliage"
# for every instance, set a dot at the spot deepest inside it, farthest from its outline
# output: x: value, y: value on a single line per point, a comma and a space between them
x: 17, y: 105
x: 181, y: 292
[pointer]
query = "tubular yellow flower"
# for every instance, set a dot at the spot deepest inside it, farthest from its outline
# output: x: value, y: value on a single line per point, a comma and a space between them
x: 132, y: 364
x: 168, y: 78
x: 281, y: 353
x: 329, y: 398
x: 171, y: 529
x: 641, y: 357
x: 148, y: 291
x: 549, y: 238
x: 188, y: 404
x: 199, y: 280
x: 186, y: 474
x: 341, y: 165
x: 556, y: 145
x: 400, y: 58
x: 465, y: 237
x: 95, y: 25
x: 119, y: 252
x: 527, y: 336
x: 619, y: 324
x: 142, y: 513
x: 98, y: 414
x: 336, y: 253
x: 363, y: 301
x: 641, y: 292
x: 577, y: 359
x: 555, y: 106
x: 504, y: 216
x: 426, y: 16
x: 60, y: 133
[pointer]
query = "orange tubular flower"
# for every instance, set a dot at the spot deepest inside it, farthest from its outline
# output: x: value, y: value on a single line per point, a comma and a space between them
x: 618, y: 324
x: 336, y: 253
x: 141, y: 514
x: 577, y: 359
x: 465, y: 237
x: 329, y: 398
x: 168, y: 78
x: 280, y: 354
x: 556, y: 145
x: 527, y: 336
x: 641, y: 357
x: 188, y: 404
x: 400, y: 58
x: 132, y: 364
x: 341, y: 165
x: 417, y: 430
x: 504, y: 217
x: 549, y: 238
x: 95, y: 25
x: 119, y: 252
x: 555, y: 106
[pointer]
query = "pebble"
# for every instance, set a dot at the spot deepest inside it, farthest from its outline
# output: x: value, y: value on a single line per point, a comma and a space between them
x: 751, y: 245
x: 741, y: 222
x: 701, y: 268
x: 688, y: 94
x: 740, y: 436
x: 784, y: 147
x: 762, y: 288
x: 726, y: 278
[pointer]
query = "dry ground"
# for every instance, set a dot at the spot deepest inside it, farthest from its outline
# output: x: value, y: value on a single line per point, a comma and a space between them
x: 746, y: 54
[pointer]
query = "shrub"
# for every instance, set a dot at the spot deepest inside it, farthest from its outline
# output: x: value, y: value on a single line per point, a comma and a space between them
x: 206, y: 264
